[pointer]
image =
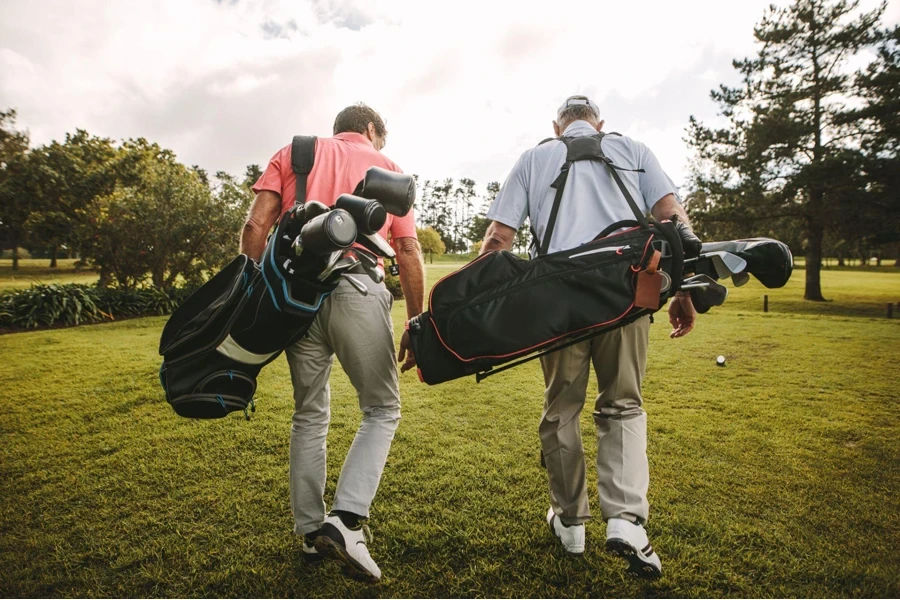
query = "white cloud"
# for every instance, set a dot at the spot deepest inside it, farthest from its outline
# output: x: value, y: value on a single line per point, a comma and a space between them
x: 465, y: 86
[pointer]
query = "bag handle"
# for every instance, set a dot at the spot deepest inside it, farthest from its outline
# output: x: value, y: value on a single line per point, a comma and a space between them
x: 303, y: 155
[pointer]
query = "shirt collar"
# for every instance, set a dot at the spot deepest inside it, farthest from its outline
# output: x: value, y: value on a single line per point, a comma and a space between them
x: 352, y: 136
x: 579, y: 129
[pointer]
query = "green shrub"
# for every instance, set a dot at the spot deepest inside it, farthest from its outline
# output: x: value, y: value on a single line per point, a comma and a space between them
x: 72, y: 304
x: 53, y: 304
x: 393, y: 285
x: 23, y: 253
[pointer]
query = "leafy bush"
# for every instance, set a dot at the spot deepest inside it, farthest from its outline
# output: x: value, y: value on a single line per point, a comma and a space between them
x: 23, y: 253
x: 393, y: 285
x: 73, y: 304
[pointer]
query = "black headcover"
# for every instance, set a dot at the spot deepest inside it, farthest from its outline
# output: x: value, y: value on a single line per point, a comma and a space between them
x: 768, y: 260
x: 395, y: 191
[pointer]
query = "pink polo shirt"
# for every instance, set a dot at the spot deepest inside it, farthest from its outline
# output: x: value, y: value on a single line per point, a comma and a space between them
x: 341, y: 162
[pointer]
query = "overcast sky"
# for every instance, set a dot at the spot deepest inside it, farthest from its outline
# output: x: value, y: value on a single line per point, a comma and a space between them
x: 465, y: 86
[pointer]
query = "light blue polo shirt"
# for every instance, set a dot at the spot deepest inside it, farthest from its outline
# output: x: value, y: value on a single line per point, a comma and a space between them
x: 591, y: 200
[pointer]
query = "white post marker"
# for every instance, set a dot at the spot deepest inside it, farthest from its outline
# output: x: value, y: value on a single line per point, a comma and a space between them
x: 720, y: 361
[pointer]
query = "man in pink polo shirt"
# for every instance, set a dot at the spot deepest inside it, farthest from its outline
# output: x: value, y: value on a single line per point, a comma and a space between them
x: 356, y: 328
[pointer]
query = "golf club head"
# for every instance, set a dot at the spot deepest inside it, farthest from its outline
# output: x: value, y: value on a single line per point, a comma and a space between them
x: 727, y: 264
x: 369, y: 262
x: 739, y: 279
x: 337, y: 268
x: 359, y: 286
x: 706, y: 293
x: 376, y: 244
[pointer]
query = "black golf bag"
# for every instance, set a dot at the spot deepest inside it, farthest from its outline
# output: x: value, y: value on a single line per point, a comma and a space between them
x: 500, y: 308
x: 215, y: 343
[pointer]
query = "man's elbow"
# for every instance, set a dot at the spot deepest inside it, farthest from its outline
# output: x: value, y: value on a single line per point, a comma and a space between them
x: 408, y: 249
x: 253, y: 228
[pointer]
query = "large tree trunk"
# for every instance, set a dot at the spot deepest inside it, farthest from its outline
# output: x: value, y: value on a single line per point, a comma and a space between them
x: 53, y: 252
x: 814, y: 231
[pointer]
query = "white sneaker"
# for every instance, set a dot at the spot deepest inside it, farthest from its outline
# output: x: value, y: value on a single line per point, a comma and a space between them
x: 349, y: 546
x: 572, y: 537
x: 629, y: 541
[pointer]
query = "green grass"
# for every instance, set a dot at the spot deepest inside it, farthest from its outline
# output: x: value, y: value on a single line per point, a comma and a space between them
x: 776, y: 476
x: 37, y: 270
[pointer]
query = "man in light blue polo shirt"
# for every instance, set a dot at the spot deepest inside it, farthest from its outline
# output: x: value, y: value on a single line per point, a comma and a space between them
x: 592, y: 201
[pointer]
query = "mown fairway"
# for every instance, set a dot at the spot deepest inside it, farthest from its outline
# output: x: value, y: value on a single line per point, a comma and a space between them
x: 33, y: 270
x: 777, y: 475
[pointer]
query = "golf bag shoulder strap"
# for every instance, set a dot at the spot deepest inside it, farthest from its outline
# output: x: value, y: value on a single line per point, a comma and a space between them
x: 585, y: 148
x: 303, y: 155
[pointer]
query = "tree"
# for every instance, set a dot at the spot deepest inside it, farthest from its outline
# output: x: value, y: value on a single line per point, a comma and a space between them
x: 477, y: 228
x: 463, y: 205
x: 167, y: 224
x: 437, y: 209
x: 787, y: 152
x: 251, y: 175
x: 65, y: 178
x: 879, y: 119
x: 14, y: 204
x: 523, y: 237
x: 431, y: 242
x: 202, y: 175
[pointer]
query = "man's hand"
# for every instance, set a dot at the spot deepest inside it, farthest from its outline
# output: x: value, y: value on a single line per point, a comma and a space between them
x: 406, y: 355
x: 412, y: 282
x: 681, y: 314
x: 498, y: 237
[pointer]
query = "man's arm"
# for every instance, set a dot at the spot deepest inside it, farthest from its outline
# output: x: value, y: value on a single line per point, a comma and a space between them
x: 667, y: 206
x: 498, y: 237
x: 412, y: 274
x: 412, y: 282
x: 682, y: 314
x: 263, y: 213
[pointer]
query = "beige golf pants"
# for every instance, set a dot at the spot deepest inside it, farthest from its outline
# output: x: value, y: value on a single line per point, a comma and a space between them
x: 620, y: 360
x: 359, y: 331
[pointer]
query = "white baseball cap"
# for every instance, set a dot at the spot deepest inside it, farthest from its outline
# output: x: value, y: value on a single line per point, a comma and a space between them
x: 578, y: 100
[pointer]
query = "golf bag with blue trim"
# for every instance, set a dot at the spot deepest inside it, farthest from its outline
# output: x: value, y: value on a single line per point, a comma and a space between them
x: 215, y: 343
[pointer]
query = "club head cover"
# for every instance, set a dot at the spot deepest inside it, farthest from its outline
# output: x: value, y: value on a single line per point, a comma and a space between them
x: 705, y: 298
x: 690, y: 243
x: 395, y: 191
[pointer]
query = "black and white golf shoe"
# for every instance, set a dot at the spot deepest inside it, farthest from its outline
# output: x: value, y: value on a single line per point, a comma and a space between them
x: 309, y: 553
x: 336, y: 540
x: 629, y: 541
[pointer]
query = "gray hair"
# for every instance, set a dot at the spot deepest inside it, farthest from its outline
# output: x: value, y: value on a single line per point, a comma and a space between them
x: 577, y: 108
x: 579, y: 112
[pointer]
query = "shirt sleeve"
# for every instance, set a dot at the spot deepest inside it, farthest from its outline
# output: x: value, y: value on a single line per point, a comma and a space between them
x: 653, y: 182
x: 402, y: 227
x: 510, y: 207
x: 270, y: 180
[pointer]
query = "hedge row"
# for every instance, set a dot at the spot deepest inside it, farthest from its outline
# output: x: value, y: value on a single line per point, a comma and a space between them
x: 73, y: 304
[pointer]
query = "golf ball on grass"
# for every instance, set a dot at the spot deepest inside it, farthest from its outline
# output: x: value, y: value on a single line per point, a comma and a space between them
x: 720, y: 361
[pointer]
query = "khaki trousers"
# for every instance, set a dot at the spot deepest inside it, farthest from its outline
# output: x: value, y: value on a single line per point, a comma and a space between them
x: 620, y: 361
